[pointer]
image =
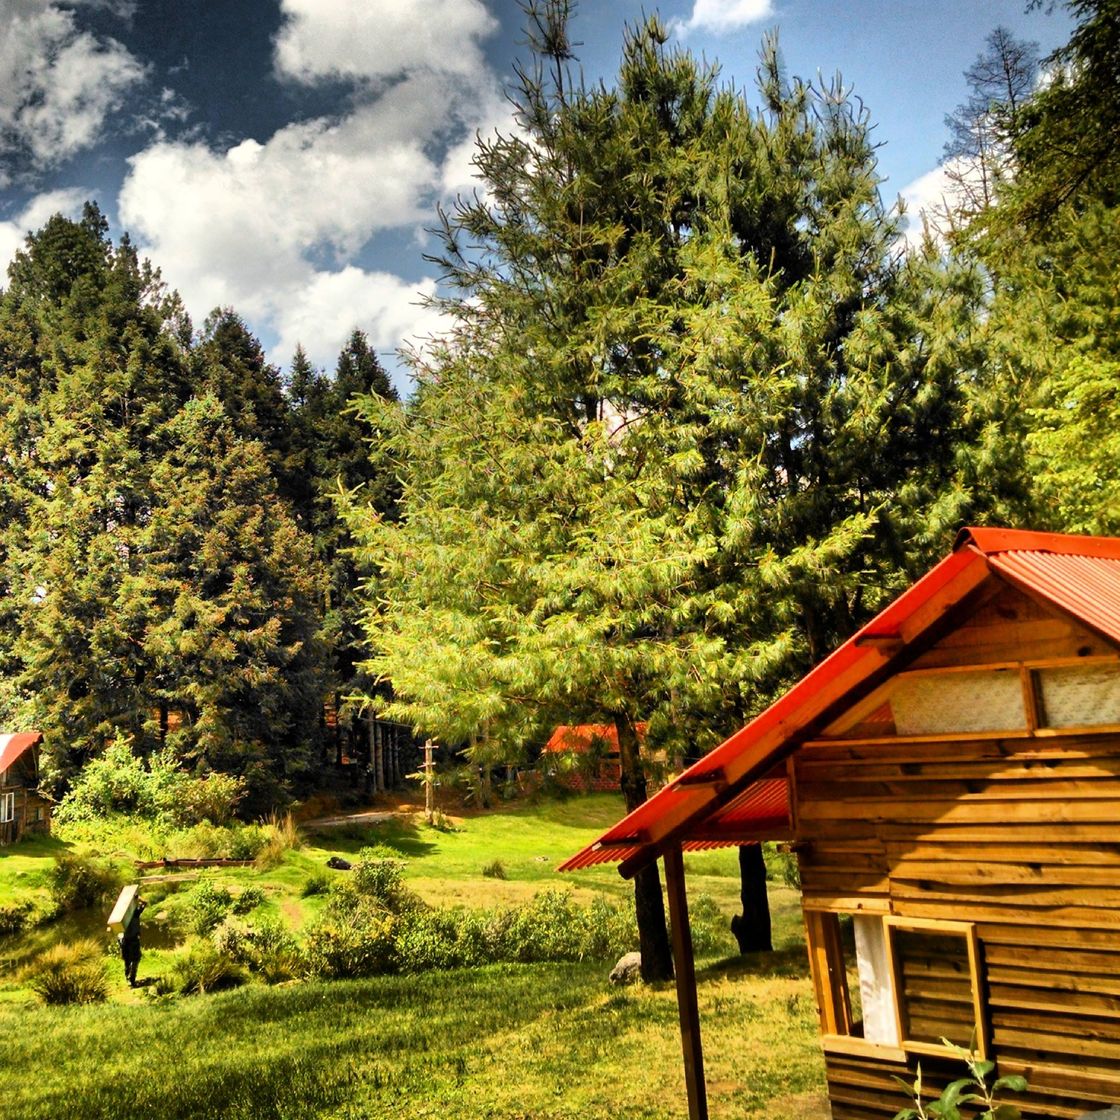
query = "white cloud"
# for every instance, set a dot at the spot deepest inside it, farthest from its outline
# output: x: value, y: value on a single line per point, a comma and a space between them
x: 285, y: 228
x: 360, y: 40
x: 925, y: 200
x: 33, y: 216
x: 58, y: 83
x: 327, y: 306
x: 721, y: 16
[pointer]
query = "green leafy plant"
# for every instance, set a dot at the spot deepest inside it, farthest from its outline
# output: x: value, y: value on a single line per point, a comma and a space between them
x: 495, y: 870
x: 971, y: 1090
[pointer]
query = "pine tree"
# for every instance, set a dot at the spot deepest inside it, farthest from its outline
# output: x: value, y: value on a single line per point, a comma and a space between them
x: 149, y: 564
x: 234, y: 653
x: 687, y: 425
x: 978, y: 151
x: 331, y: 443
x: 90, y: 369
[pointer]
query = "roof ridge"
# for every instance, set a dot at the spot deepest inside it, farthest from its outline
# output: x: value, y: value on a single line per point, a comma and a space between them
x: 992, y: 540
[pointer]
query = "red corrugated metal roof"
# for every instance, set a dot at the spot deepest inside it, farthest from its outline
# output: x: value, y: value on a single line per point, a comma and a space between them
x: 13, y: 745
x: 578, y: 737
x: 1079, y: 575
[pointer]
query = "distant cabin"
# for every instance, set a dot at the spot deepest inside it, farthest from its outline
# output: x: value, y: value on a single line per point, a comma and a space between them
x: 950, y: 781
x: 595, y: 746
x: 22, y: 808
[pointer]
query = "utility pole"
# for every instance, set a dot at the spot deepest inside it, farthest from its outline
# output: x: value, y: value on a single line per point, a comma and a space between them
x: 429, y: 781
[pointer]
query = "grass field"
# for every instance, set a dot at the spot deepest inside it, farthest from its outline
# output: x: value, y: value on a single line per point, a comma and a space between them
x: 547, y: 1041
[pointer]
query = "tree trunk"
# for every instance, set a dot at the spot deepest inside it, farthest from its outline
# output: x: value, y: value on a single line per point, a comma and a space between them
x: 649, y: 903
x: 752, y: 927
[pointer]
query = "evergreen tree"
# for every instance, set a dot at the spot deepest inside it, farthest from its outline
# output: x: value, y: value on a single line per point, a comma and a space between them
x: 978, y: 151
x: 234, y: 654
x: 1046, y: 384
x: 331, y: 442
x: 230, y: 365
x: 688, y: 428
x: 148, y: 563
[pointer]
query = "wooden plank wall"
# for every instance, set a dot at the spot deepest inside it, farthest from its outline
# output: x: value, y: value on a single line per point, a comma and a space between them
x: 1018, y: 834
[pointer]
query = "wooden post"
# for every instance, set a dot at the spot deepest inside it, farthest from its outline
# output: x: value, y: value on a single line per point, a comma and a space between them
x: 686, y: 986
x: 429, y: 800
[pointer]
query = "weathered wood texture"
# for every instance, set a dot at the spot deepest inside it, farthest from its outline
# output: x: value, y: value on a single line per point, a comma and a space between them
x: 1017, y: 833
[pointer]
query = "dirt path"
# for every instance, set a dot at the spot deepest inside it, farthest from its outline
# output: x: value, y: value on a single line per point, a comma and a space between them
x: 362, y: 817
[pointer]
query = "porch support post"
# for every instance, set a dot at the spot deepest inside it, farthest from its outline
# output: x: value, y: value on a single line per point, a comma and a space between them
x: 686, y: 985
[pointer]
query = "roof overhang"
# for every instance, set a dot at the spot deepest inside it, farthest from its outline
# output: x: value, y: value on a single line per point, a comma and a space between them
x: 14, y: 745
x: 737, y: 793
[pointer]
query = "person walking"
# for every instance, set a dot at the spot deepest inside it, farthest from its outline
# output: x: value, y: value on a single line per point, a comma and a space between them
x: 130, y: 944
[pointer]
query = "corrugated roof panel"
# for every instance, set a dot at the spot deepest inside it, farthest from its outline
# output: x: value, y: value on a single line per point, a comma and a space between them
x: 1087, y: 587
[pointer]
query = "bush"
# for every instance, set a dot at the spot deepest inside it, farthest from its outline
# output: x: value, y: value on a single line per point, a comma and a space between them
x: 157, y: 788
x: 207, y: 968
x: 14, y: 917
x: 69, y: 973
x: 209, y: 904
x: 317, y: 883
x: 280, y: 836
x: 495, y: 870
x: 381, y: 880
x: 710, y: 930
x: 78, y: 882
x: 249, y: 899
x: 358, y: 943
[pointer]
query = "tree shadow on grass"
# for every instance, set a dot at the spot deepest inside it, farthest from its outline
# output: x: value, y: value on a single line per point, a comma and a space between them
x: 402, y: 838
x: 787, y: 961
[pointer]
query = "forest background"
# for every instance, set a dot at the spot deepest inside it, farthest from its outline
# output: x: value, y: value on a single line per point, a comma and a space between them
x: 701, y: 412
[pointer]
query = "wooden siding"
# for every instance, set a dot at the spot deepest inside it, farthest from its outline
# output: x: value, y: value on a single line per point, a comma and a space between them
x: 1017, y: 833
x: 20, y: 779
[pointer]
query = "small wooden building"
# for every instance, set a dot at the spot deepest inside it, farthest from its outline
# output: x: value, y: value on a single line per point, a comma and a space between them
x: 950, y: 781
x: 22, y: 808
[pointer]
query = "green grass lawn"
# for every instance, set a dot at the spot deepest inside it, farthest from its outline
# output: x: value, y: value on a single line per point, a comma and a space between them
x: 510, y: 1042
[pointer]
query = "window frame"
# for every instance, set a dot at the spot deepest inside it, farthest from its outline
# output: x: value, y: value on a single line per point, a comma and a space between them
x: 828, y: 968
x: 964, y: 930
x: 7, y: 807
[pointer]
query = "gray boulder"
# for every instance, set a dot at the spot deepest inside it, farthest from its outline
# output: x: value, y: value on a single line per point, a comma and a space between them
x: 628, y: 970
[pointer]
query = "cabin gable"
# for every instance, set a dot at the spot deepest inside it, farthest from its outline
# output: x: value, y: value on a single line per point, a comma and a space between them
x: 958, y: 834
x: 22, y: 808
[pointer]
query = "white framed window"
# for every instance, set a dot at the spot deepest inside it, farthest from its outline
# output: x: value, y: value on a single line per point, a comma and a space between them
x: 7, y: 807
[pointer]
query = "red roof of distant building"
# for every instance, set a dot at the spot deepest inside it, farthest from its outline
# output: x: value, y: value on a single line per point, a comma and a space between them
x: 738, y: 783
x: 13, y: 745
x: 578, y: 737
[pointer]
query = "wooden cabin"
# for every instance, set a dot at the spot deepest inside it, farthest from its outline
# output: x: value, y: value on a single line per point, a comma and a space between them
x: 22, y: 808
x: 595, y: 747
x: 950, y: 781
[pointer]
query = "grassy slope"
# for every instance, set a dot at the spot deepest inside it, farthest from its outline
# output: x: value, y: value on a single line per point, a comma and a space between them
x: 545, y: 1041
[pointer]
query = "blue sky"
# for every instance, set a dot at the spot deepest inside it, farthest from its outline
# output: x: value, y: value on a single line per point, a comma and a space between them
x: 284, y: 156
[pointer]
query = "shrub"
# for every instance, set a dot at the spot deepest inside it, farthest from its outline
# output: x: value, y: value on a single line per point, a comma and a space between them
x: 78, y: 882
x: 14, y: 917
x: 69, y: 973
x: 158, y: 787
x: 271, y: 951
x: 358, y: 943
x: 710, y: 931
x: 280, y: 836
x: 209, y: 904
x: 207, y: 968
x: 318, y: 882
x: 249, y: 899
x: 381, y: 880
x: 495, y: 870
